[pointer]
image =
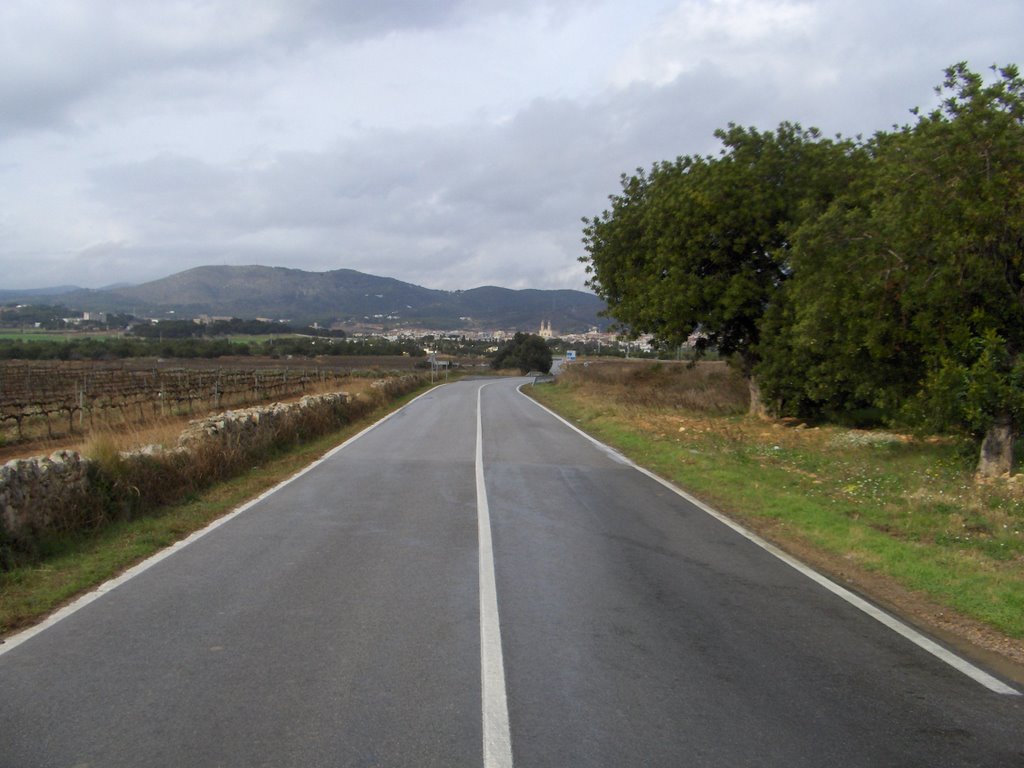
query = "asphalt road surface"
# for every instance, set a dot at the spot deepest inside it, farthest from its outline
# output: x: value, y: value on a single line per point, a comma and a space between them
x: 470, y: 583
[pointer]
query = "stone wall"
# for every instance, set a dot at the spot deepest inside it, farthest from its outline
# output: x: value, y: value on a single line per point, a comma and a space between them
x: 249, y: 425
x: 36, y: 494
x: 65, y: 490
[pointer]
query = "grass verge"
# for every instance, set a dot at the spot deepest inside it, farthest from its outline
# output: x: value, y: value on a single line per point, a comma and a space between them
x: 74, y: 563
x: 897, y: 517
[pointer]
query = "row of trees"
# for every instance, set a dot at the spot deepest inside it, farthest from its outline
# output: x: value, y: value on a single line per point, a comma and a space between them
x: 850, y: 279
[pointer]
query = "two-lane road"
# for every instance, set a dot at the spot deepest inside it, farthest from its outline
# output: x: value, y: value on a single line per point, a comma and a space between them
x: 353, y: 616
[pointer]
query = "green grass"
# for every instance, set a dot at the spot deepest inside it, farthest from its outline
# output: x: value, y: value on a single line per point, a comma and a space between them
x: 37, y: 334
x: 908, y: 509
x: 75, y: 563
x: 260, y: 338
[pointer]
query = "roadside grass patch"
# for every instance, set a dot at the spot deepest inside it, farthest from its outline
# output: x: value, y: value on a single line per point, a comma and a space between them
x: 877, y: 501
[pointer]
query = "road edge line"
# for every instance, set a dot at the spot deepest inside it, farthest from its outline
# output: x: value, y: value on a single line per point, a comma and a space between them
x: 12, y: 642
x: 959, y: 663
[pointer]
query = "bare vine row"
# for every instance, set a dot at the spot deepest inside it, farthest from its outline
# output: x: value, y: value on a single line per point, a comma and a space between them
x: 68, y: 398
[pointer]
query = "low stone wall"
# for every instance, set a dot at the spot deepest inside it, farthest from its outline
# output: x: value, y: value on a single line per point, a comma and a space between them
x: 36, y: 494
x: 248, y: 425
x: 67, y: 490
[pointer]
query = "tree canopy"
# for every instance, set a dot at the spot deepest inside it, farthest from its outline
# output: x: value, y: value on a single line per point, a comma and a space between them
x: 527, y: 352
x: 879, y: 279
x: 701, y: 245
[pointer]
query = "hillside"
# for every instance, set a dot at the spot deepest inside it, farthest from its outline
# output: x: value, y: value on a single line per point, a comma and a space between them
x: 342, y: 295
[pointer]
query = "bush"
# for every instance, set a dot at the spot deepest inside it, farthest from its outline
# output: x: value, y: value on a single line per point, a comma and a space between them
x: 527, y: 352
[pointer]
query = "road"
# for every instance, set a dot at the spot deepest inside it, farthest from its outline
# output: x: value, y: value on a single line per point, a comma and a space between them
x: 471, y: 560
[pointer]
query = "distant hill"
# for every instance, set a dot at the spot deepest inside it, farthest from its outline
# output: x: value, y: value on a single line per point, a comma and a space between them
x: 8, y: 295
x: 342, y: 295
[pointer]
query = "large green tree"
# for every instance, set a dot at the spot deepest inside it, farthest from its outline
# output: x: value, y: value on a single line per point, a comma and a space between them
x: 836, y: 343
x: 908, y: 292
x: 959, y: 218
x: 700, y: 245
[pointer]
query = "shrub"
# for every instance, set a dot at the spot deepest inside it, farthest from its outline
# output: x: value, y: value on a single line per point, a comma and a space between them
x: 527, y: 352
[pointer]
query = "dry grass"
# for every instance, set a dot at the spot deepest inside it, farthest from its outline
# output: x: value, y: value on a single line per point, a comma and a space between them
x: 105, y: 442
x: 701, y: 388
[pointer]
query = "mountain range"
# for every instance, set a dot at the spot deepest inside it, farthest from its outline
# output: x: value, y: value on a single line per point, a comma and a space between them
x: 339, y: 296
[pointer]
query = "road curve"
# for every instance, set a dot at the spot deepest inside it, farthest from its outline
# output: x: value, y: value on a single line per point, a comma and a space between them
x: 339, y: 621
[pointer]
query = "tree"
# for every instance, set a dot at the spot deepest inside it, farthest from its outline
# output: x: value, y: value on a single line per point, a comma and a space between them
x: 909, y: 289
x: 960, y: 221
x: 527, y: 352
x: 836, y: 343
x: 700, y: 245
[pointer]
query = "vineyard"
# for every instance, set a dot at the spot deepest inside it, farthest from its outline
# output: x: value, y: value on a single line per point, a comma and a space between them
x: 41, y: 400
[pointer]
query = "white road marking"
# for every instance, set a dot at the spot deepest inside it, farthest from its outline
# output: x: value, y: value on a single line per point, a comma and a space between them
x: 975, y: 673
x: 12, y: 642
x: 497, y: 742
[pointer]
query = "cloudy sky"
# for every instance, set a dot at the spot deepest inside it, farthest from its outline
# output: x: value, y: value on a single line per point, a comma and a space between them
x: 448, y: 143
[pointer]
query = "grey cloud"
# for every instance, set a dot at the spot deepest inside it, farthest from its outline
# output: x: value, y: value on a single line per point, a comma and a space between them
x: 360, y: 19
x: 469, y: 201
x: 354, y: 18
x: 436, y: 206
x: 55, y: 58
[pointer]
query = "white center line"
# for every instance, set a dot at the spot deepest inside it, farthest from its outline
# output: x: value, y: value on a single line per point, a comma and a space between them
x: 497, y: 741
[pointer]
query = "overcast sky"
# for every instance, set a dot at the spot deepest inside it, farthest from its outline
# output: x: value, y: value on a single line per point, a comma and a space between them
x: 446, y: 143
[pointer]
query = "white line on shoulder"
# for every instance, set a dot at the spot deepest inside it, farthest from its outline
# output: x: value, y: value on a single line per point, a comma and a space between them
x: 12, y: 642
x: 957, y: 662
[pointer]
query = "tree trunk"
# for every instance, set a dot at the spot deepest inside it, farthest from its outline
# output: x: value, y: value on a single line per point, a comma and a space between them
x: 757, y: 406
x: 997, y: 449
